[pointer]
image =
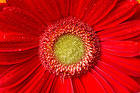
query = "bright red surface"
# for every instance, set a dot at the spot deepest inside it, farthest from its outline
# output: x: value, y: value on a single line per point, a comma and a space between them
x: 117, y: 23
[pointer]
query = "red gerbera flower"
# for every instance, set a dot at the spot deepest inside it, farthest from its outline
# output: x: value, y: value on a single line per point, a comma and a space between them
x: 70, y: 46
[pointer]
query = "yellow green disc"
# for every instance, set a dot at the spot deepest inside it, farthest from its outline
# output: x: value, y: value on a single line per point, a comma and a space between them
x: 69, y: 49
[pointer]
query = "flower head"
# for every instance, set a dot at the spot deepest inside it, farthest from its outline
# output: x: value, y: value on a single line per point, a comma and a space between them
x: 75, y: 46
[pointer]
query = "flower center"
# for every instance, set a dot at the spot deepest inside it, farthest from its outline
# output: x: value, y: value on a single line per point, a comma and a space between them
x: 69, y: 49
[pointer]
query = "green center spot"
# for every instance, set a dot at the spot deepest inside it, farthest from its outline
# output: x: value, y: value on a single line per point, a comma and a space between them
x: 69, y: 49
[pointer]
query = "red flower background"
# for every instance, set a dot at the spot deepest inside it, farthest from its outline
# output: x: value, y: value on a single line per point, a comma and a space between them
x: 116, y: 22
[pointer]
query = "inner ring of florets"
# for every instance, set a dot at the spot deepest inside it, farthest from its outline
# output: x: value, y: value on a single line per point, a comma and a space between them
x: 75, y: 29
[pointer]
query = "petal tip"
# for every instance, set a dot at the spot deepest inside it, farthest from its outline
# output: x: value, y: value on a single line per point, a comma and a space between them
x: 138, y: 1
x: 3, y: 1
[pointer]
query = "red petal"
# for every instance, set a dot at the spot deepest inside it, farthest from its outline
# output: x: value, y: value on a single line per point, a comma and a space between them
x: 15, y: 41
x: 105, y: 84
x: 120, y: 77
x: 129, y: 66
x: 62, y: 86
x: 78, y: 86
x: 16, y: 47
x: 2, y: 5
x: 95, y: 10
x: 91, y: 84
x: 46, y: 10
x: 37, y: 74
x: 122, y: 31
x: 48, y: 83
x: 3, y: 68
x: 63, y: 6
x: 136, y: 15
x: 122, y: 48
x: 9, y: 58
x: 25, y: 4
x: 58, y: 86
x: 137, y: 79
x: 17, y: 20
x: 79, y: 8
x: 122, y: 11
x: 18, y: 73
x: 136, y: 38
x: 36, y: 82
x: 17, y: 3
x: 68, y: 86
x: 115, y: 84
